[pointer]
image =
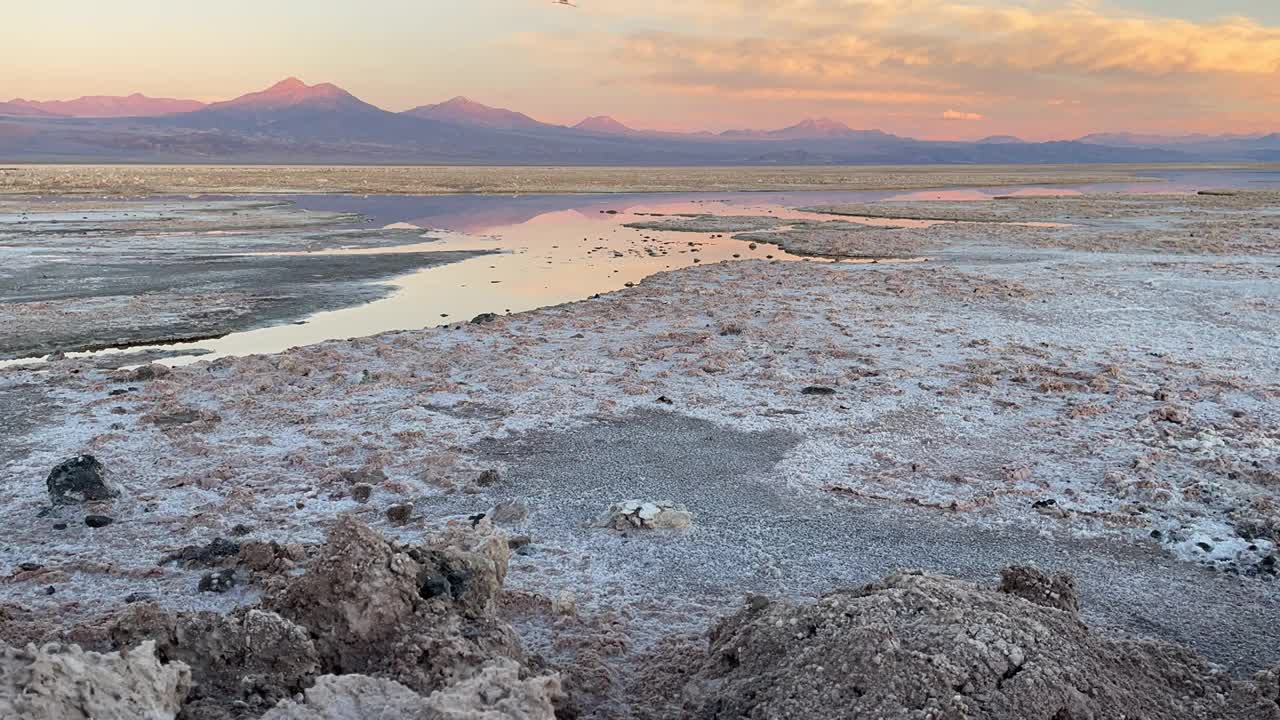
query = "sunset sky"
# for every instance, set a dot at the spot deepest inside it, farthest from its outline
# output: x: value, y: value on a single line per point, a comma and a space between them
x: 1039, y: 69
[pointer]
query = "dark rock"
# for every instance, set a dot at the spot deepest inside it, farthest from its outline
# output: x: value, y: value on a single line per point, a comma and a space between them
x: 400, y: 513
x: 369, y: 475
x: 30, y: 566
x: 80, y: 479
x: 181, y: 418
x: 59, y: 526
x: 519, y: 544
x: 98, y: 521
x: 483, y: 318
x: 50, y: 590
x: 270, y: 556
x: 136, y: 598
x: 361, y: 492
x: 217, y: 582
x: 146, y: 373
x: 240, y: 530
x: 818, y: 390
x: 666, y: 400
x: 488, y: 478
x: 434, y: 584
x: 208, y: 555
x: 1172, y: 414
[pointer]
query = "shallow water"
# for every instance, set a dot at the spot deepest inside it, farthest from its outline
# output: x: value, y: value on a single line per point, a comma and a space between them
x: 553, y: 249
x: 548, y: 258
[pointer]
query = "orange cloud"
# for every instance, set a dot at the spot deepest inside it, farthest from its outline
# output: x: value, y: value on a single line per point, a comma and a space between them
x: 1117, y: 67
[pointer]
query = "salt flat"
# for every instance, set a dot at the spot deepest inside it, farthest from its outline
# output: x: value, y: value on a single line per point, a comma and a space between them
x: 151, y: 180
x: 1087, y: 396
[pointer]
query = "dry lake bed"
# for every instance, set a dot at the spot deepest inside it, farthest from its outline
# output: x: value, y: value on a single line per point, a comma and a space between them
x: 822, y: 386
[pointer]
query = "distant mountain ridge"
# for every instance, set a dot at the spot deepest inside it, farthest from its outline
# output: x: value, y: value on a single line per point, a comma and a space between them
x: 22, y: 108
x: 604, y: 124
x: 103, y: 106
x: 1001, y: 140
x: 809, y: 129
x: 292, y: 92
x: 465, y: 111
x: 1151, y: 140
x: 292, y: 121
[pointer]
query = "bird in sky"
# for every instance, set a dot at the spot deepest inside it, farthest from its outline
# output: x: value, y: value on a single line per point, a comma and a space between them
x: 566, y: 3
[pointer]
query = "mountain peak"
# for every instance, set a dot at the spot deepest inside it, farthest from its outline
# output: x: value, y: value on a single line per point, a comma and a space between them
x: 1002, y: 140
x: 603, y: 124
x: 814, y: 128
x: 288, y: 84
x: 292, y: 87
x: 293, y: 92
x: 465, y: 111
x: 824, y: 124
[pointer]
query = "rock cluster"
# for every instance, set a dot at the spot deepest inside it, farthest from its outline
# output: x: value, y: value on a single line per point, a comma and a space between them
x: 63, y: 682
x: 250, y: 658
x: 916, y: 646
x: 374, y: 628
x: 421, y: 617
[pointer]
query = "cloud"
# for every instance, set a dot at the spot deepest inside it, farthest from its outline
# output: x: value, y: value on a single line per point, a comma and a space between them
x: 952, y: 52
x: 1036, y: 68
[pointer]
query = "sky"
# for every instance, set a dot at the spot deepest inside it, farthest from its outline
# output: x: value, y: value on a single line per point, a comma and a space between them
x: 1038, y: 69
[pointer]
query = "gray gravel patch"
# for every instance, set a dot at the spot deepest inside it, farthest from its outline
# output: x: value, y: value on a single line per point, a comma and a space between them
x: 753, y: 535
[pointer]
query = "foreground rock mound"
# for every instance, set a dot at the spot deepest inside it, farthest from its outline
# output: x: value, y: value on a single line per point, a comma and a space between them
x: 247, y: 658
x: 914, y: 646
x: 423, y: 616
x: 63, y: 682
x: 420, y: 616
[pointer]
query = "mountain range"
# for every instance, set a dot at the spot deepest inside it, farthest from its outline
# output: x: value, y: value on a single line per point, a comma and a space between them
x: 292, y: 121
x: 101, y: 106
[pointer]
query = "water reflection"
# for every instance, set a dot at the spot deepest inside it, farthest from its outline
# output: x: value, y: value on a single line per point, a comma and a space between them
x: 552, y: 257
x: 551, y: 249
